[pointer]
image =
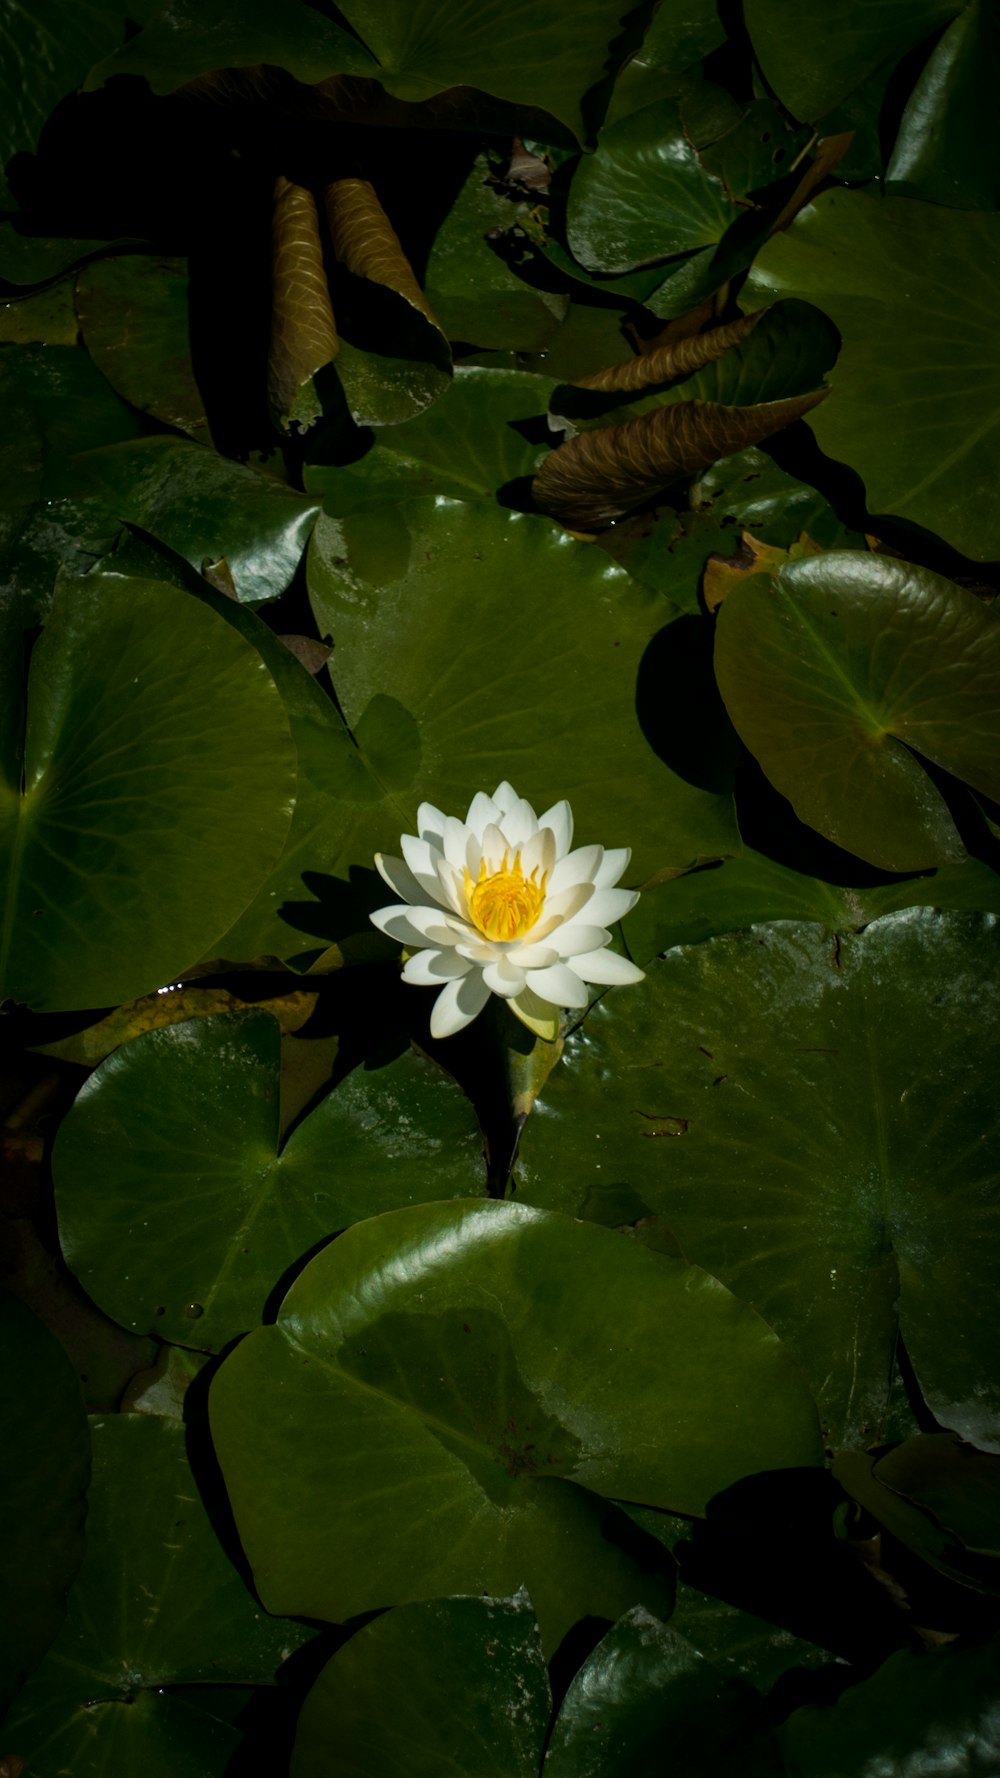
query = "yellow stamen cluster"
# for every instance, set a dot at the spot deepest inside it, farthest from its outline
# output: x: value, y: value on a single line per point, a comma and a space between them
x: 505, y: 904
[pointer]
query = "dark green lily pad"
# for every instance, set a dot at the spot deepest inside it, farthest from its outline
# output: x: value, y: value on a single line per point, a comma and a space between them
x: 871, y: 665
x: 180, y: 1127
x: 194, y: 37
x: 801, y: 1112
x: 828, y: 54
x: 645, y: 1689
x: 644, y: 196
x: 157, y: 1603
x: 158, y: 785
x: 516, y: 651
x: 913, y: 289
x: 472, y: 290
x: 389, y: 1704
x: 134, y: 319
x: 920, y: 1712
x: 45, y: 1472
x: 938, y: 154
x: 480, y: 1401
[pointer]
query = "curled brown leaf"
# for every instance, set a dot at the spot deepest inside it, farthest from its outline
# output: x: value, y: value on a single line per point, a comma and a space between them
x: 593, y: 479
x: 303, y: 331
x: 365, y: 241
x: 676, y: 358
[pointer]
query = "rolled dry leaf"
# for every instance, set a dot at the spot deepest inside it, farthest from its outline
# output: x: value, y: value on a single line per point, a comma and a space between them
x: 365, y: 241
x: 303, y: 331
x: 829, y: 154
x: 678, y: 358
x: 593, y: 479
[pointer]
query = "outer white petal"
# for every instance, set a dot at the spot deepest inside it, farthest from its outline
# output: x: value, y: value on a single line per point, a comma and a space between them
x: 533, y: 956
x: 428, y: 969
x: 560, y: 819
x: 421, y: 858
x: 608, y: 905
x: 478, y: 950
x: 416, y: 927
x: 402, y: 881
x: 614, y: 862
x: 457, y: 1005
x: 559, y: 984
x: 482, y: 811
x: 430, y: 822
x: 456, y: 840
x: 573, y: 940
x: 534, y: 1012
x: 608, y: 968
x: 580, y: 866
x: 503, y: 979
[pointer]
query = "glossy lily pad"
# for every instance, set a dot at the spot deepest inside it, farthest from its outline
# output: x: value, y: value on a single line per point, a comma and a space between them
x: 180, y: 1126
x: 801, y: 1112
x: 491, y: 1371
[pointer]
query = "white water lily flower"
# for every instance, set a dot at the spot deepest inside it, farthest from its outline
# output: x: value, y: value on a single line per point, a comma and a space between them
x: 498, y: 904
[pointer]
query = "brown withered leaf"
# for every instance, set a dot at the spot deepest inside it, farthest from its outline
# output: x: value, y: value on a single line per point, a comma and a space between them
x: 365, y: 241
x: 593, y: 479
x: 303, y: 332
x: 829, y: 154
x: 675, y: 358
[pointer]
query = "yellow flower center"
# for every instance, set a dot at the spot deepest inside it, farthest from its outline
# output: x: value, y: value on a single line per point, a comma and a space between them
x: 506, y: 904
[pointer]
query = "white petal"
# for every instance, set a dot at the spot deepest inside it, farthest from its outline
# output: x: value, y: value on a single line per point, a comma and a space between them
x: 560, y: 819
x: 559, y: 984
x: 418, y: 927
x: 613, y: 864
x: 456, y: 837
x: 607, y: 968
x: 482, y: 811
x: 580, y: 866
x: 428, y: 969
x: 494, y: 845
x: 533, y: 956
x: 401, y: 880
x: 519, y: 823
x: 451, y: 887
x: 478, y: 950
x: 421, y: 857
x: 557, y: 910
x: 430, y: 822
x: 457, y: 1005
x: 535, y: 1012
x: 539, y: 853
x: 574, y: 940
x: 501, y: 978
x: 608, y: 905
x: 505, y: 796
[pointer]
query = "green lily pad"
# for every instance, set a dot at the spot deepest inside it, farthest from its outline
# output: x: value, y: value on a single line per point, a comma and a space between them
x: 47, y: 318
x: 389, y: 1704
x: 913, y: 289
x: 516, y: 650
x: 194, y: 37
x: 801, y: 1112
x: 157, y: 1603
x: 752, y: 889
x: 201, y: 505
x: 920, y: 1712
x: 45, y: 55
x: 871, y: 665
x: 183, y: 1123
x: 465, y: 447
x: 645, y: 1689
x: 157, y: 791
x: 487, y: 1366
x: 644, y: 196
x: 827, y: 54
x: 938, y: 151
x: 134, y: 319
x: 677, y: 38
x: 45, y: 1472
x: 938, y: 1496
x: 472, y: 290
